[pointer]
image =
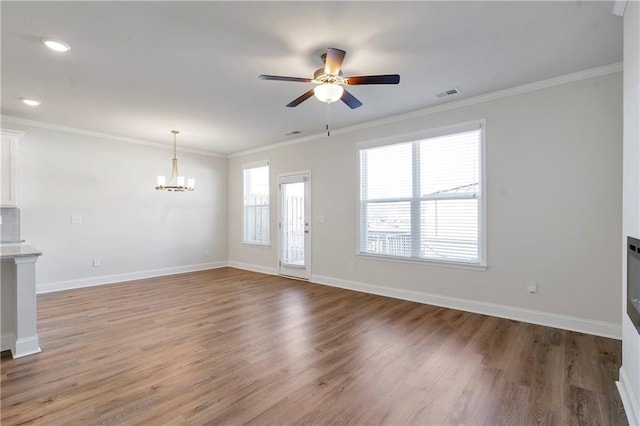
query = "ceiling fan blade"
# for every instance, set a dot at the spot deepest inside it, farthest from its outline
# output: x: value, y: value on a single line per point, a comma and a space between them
x: 351, y: 101
x: 282, y: 78
x: 374, y: 79
x: 333, y: 61
x: 300, y: 99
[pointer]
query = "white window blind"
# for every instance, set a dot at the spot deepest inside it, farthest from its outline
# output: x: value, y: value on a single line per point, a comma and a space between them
x: 422, y: 199
x: 256, y: 203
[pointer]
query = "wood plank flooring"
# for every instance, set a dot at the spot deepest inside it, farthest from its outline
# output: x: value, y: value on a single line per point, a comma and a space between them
x: 234, y: 347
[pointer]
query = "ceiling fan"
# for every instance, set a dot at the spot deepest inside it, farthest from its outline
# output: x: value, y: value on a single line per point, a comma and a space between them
x: 329, y: 81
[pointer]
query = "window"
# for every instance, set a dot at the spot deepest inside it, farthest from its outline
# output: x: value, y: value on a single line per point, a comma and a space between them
x: 256, y: 203
x: 423, y: 199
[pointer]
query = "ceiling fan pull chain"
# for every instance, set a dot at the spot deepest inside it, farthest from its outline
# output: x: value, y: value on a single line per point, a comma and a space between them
x: 328, y: 131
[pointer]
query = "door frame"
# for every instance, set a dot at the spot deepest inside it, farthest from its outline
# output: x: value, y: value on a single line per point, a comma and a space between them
x: 306, y: 270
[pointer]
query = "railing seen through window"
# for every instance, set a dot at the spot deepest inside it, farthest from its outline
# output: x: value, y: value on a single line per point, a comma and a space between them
x: 256, y: 204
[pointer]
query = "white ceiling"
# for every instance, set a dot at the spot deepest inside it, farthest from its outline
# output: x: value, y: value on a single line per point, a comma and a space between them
x: 140, y: 69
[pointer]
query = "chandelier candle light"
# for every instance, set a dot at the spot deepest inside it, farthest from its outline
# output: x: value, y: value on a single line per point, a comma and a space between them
x: 176, y: 183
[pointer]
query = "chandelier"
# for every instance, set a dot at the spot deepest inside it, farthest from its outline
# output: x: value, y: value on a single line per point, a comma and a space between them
x: 176, y: 183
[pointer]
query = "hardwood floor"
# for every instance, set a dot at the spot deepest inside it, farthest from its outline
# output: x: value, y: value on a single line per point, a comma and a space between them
x: 230, y: 347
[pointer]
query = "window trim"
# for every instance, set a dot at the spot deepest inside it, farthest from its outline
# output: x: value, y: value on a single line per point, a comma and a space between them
x: 248, y: 166
x: 424, y: 262
x: 479, y: 124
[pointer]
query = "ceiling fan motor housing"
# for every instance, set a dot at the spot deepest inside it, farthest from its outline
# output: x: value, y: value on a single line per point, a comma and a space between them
x: 320, y: 77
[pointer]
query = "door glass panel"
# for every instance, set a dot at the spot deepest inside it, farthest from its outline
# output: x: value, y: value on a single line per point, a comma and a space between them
x: 293, y: 224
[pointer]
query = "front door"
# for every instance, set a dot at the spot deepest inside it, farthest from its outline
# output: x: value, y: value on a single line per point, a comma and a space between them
x: 294, y: 230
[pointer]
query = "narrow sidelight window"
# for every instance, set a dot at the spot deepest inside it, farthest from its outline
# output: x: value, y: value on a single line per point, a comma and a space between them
x: 256, y: 203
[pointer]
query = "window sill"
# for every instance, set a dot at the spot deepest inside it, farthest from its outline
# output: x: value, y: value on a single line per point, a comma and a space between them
x: 265, y: 245
x: 425, y: 262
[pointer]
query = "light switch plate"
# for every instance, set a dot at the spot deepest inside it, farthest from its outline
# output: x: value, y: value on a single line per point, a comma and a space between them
x: 76, y: 219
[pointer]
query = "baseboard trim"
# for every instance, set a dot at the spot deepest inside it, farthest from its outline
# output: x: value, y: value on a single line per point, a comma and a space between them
x: 118, y: 278
x: 629, y: 400
x: 26, y: 346
x: 253, y: 268
x: 566, y: 322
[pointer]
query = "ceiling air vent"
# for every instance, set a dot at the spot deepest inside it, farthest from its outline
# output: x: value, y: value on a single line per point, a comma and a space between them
x: 447, y: 93
x: 293, y: 132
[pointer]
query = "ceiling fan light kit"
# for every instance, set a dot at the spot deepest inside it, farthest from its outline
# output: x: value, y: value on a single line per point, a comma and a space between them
x: 176, y: 183
x: 329, y: 81
x: 328, y: 92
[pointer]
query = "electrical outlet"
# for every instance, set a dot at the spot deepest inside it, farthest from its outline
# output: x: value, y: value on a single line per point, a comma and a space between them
x: 206, y: 252
x: 352, y: 266
x: 96, y: 262
x: 532, y: 286
x: 266, y: 254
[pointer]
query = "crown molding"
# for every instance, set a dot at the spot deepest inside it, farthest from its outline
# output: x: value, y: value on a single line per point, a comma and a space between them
x: 618, y: 7
x: 530, y: 87
x: 525, y: 88
x: 9, y: 119
x: 12, y: 133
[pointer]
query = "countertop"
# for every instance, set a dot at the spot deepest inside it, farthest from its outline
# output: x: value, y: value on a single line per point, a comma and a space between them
x: 11, y: 252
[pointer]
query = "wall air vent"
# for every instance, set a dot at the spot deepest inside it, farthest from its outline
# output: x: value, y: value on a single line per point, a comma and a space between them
x: 293, y: 132
x: 447, y: 93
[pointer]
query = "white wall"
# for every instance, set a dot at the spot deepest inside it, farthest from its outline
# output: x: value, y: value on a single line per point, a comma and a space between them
x: 630, y: 371
x: 554, y: 187
x: 133, y: 229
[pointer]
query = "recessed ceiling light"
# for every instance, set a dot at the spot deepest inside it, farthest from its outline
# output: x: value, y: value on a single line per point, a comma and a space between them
x: 31, y: 102
x: 57, y: 45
